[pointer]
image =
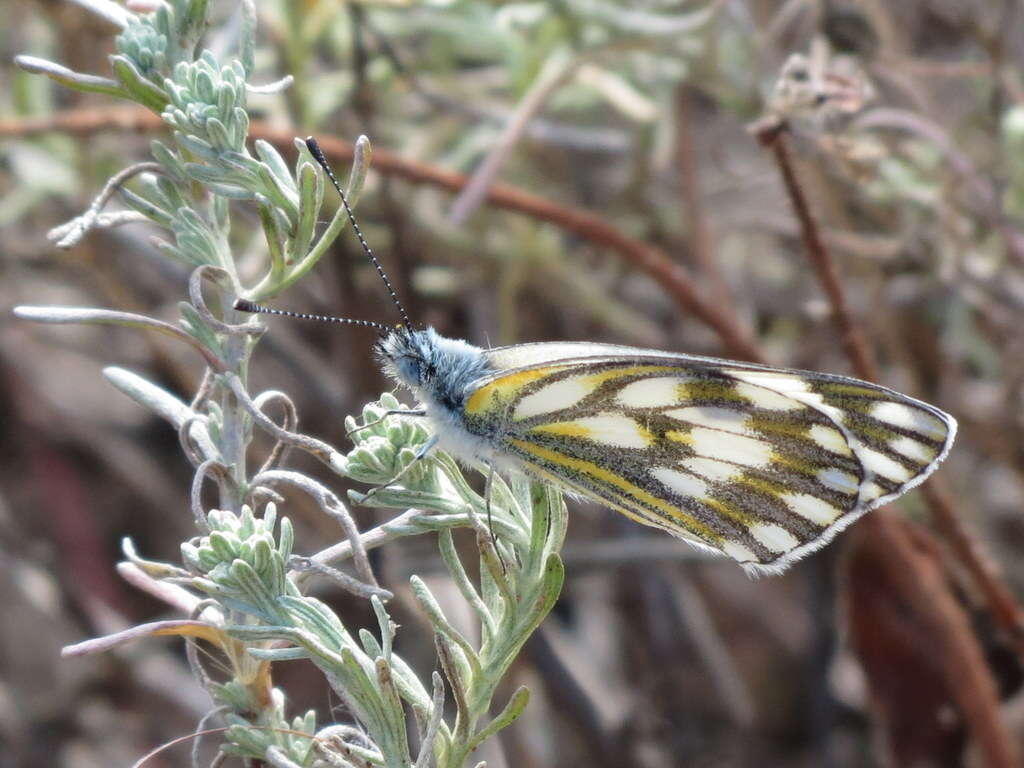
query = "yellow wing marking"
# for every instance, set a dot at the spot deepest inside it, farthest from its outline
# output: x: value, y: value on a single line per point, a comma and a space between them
x: 504, y: 388
x: 611, y: 429
x: 598, y: 473
x: 645, y: 518
x: 597, y: 379
x: 564, y: 429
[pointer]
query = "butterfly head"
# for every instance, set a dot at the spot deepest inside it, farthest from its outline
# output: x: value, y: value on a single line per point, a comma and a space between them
x: 435, y: 368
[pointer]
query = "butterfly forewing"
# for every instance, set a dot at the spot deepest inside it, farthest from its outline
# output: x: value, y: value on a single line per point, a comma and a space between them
x: 762, y: 464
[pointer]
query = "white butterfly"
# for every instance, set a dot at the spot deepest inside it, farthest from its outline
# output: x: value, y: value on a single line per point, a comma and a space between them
x: 762, y: 464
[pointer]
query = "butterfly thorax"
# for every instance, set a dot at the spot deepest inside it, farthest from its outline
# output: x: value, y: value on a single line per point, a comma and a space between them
x: 439, y: 371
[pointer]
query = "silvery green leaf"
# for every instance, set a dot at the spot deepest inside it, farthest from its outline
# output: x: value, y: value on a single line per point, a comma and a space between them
x: 284, y: 224
x: 246, y: 166
x: 408, y: 684
x: 69, y: 78
x: 194, y: 325
x: 172, y: 198
x: 312, y: 614
x: 278, y: 654
x: 108, y: 10
x: 174, y: 252
x: 179, y: 97
x: 219, y: 135
x: 150, y: 396
x: 362, y: 156
x: 204, y: 87
x: 240, y: 126
x: 310, y: 196
x: 246, y: 554
x: 90, y: 316
x: 370, y: 644
x: 247, y: 36
x: 282, y: 195
x: 269, y: 155
x: 143, y: 90
x: 221, y: 214
x: 285, y: 539
x: 261, y: 557
x: 191, y: 25
x: 465, y: 656
x: 513, y: 709
x: 207, y: 173
x: 172, y: 164
x: 147, y: 208
x: 224, y: 545
x: 547, y: 595
x: 229, y: 190
x: 253, y: 590
x: 188, y: 221
x: 274, y: 238
x: 198, y: 247
x: 197, y: 146
x: 207, y: 559
x: 163, y: 21
x: 225, y: 99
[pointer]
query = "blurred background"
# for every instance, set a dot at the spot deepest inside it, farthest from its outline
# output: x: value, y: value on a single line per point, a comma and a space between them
x: 580, y: 170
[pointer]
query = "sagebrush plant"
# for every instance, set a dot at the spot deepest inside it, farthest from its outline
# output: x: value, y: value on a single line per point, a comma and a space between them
x: 240, y: 582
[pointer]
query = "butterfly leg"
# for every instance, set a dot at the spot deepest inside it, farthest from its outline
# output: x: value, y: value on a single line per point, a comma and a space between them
x: 420, y: 455
x: 392, y: 412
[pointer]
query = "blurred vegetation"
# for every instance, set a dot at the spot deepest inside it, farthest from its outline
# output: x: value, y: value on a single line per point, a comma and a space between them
x: 578, y: 169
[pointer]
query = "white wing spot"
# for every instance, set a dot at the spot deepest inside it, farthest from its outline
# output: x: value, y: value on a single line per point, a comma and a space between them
x: 711, y: 469
x: 748, y: 451
x: 656, y: 392
x: 913, y: 449
x: 811, y: 508
x: 838, y: 480
x: 682, y: 483
x: 724, y: 419
x: 739, y: 553
x: 761, y: 397
x: 782, y: 382
x: 880, y: 464
x: 869, y: 492
x: 553, y: 397
x: 830, y: 439
x: 774, y: 537
x: 614, y: 430
x: 908, y: 417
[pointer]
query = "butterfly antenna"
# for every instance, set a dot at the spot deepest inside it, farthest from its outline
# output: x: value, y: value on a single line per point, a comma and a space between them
x: 318, y: 155
x: 244, y: 305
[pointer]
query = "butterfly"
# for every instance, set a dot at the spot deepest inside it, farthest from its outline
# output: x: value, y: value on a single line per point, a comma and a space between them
x: 761, y: 464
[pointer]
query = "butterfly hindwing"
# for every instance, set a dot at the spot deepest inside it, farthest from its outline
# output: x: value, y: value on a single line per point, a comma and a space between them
x: 762, y: 464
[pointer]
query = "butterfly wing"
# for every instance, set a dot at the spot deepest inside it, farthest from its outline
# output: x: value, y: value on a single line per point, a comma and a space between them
x: 762, y: 464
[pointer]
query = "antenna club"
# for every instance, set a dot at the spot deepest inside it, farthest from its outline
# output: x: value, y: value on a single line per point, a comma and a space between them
x: 244, y: 305
x: 314, y: 149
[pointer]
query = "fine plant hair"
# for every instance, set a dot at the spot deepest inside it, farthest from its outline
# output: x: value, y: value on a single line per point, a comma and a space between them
x: 240, y: 586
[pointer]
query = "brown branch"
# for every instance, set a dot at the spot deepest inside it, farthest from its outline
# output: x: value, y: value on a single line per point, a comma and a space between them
x: 702, y: 241
x: 972, y: 557
x: 854, y: 341
x: 901, y: 611
x: 941, y: 617
x: 644, y: 257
